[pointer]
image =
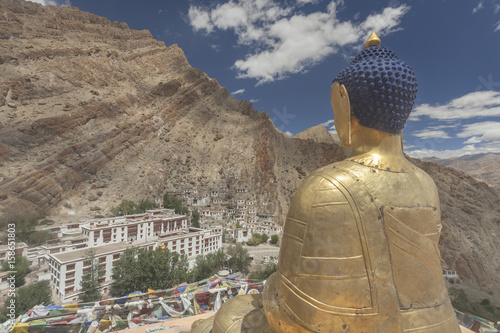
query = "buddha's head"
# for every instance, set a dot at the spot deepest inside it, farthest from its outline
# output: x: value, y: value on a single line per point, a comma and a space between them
x: 377, y: 90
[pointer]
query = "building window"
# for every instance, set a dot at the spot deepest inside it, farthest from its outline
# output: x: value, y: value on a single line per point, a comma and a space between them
x: 116, y: 256
x: 70, y: 275
x: 70, y: 267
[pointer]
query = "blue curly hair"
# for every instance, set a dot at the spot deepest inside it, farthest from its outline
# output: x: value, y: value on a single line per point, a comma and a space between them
x: 381, y: 88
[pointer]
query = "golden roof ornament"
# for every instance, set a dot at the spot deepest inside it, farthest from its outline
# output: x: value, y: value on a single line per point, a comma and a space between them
x: 373, y: 40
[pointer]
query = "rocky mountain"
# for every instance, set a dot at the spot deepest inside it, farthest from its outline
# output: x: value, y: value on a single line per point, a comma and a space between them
x: 485, y: 167
x: 92, y: 112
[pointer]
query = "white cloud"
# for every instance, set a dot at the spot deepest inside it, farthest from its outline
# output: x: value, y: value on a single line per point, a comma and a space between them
x: 254, y: 100
x: 472, y: 105
x: 303, y: 2
x: 239, y: 91
x: 385, y: 22
x: 282, y: 39
x: 492, y: 147
x: 472, y: 140
x: 53, y: 2
x: 480, y: 132
x: 333, y: 131
x: 215, y: 47
x: 430, y: 134
x: 438, y: 127
x: 289, y: 133
x: 328, y: 123
x: 497, y: 27
x: 479, y: 6
x: 199, y: 19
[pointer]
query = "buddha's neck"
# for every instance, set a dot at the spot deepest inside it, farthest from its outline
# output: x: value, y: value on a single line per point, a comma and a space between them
x: 379, y: 150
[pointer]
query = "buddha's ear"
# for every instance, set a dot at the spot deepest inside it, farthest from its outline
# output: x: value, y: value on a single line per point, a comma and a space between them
x: 341, y: 113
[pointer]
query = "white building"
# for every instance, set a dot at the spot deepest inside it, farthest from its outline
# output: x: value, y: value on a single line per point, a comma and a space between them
x: 242, y: 235
x: 67, y: 268
x: 192, y: 242
x: 199, y: 201
x: 130, y: 228
x: 21, y: 250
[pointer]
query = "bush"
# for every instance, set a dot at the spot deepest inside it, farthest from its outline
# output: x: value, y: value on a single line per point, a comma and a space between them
x: 37, y: 238
x: 239, y: 259
x: 275, y: 239
x: 27, y: 297
x: 128, y: 207
x: 148, y: 269
x: 263, y: 272
x: 21, y: 267
x: 208, y: 265
x: 195, y: 219
x: 46, y: 222
x: 485, y: 301
x: 174, y: 203
x: 265, y: 238
x: 482, y: 309
x: 251, y: 242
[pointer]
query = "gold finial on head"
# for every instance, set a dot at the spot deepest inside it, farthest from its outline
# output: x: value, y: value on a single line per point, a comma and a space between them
x: 373, y: 40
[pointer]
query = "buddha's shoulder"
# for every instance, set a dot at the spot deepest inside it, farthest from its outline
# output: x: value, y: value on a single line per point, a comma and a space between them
x: 348, y: 172
x: 345, y: 170
x: 331, y: 176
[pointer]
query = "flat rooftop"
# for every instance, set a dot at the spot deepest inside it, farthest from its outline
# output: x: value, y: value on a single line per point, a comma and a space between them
x: 99, y: 250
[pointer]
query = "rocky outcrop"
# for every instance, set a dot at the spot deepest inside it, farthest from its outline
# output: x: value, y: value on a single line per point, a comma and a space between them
x: 92, y: 112
x: 482, y: 166
x: 471, y: 225
x: 87, y: 101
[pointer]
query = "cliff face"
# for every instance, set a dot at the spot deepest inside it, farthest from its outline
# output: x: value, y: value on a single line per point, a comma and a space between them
x: 484, y: 167
x: 469, y: 241
x: 92, y: 112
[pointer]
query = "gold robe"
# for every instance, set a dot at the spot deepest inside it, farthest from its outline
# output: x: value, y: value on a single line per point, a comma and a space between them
x: 359, y: 254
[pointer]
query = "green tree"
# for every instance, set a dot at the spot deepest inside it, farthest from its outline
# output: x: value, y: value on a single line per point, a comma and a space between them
x: 91, y: 290
x: 238, y: 225
x: 195, y: 219
x: 126, y: 207
x: 38, y: 237
x: 239, y: 259
x: 21, y: 267
x: 263, y: 272
x: 138, y: 270
x: 145, y: 205
x: 275, y: 239
x: 255, y: 240
x: 27, y: 297
x: 174, y: 203
x: 265, y: 238
x: 24, y: 221
x: 129, y: 207
x: 208, y: 265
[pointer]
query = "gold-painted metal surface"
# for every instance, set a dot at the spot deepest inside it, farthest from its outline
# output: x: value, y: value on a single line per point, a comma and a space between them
x: 359, y: 249
x: 341, y: 112
x: 373, y: 40
x: 241, y: 314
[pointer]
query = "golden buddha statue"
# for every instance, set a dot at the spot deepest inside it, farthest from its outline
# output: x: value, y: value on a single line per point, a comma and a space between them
x: 359, y: 251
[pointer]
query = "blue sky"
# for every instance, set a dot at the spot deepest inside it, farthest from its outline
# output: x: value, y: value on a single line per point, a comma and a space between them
x: 283, y: 55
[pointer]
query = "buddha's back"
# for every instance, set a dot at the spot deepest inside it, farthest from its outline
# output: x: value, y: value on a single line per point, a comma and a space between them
x: 359, y: 254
